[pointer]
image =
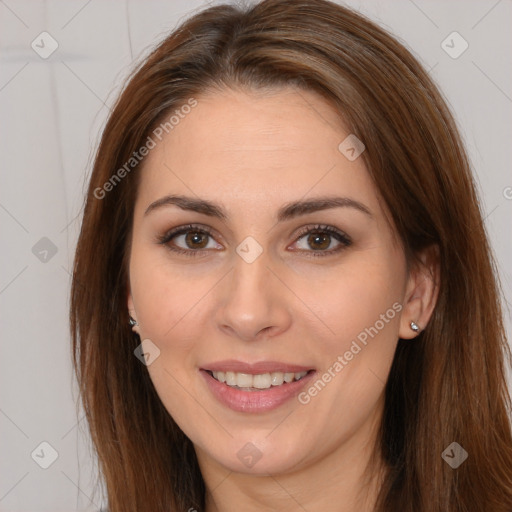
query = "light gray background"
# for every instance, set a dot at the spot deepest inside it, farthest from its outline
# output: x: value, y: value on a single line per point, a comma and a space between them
x: 52, y: 112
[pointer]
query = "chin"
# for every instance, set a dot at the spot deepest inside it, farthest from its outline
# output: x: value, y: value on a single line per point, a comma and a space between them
x: 261, y: 456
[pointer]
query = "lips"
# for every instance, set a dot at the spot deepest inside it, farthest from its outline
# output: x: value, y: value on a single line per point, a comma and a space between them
x: 231, y: 365
x: 255, y: 387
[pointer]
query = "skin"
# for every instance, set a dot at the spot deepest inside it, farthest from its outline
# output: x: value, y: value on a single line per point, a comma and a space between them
x: 252, y: 152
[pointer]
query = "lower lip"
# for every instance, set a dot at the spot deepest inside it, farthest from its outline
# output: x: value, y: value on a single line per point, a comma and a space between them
x: 254, y: 401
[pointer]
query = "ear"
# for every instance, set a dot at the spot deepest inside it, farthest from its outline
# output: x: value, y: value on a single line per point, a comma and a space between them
x: 131, y: 310
x: 421, y: 293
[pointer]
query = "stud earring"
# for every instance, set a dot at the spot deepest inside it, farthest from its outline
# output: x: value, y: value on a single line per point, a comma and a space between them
x: 133, y: 322
x: 415, y: 327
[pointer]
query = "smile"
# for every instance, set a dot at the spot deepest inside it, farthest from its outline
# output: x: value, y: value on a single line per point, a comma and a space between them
x: 257, y: 387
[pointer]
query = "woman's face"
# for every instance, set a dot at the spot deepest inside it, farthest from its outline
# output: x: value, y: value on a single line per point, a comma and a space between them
x: 271, y: 281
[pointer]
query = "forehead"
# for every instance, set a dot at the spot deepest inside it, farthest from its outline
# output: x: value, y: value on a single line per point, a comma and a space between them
x: 254, y: 149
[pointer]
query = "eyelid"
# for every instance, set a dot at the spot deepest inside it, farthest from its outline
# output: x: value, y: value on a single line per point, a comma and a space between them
x: 184, y: 229
x: 320, y: 227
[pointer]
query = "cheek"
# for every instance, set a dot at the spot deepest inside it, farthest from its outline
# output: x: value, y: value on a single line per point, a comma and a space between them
x: 168, y: 304
x: 361, y: 299
x: 168, y: 297
x: 361, y: 305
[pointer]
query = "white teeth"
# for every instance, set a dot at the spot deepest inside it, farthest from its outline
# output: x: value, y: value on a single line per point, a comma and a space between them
x: 262, y: 381
x: 259, y: 381
x: 243, y: 380
x: 277, y: 378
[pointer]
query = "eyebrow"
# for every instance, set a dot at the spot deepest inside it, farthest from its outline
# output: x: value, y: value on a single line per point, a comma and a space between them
x: 286, y: 212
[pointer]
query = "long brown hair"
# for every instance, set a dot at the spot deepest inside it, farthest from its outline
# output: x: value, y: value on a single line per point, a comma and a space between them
x: 449, y: 385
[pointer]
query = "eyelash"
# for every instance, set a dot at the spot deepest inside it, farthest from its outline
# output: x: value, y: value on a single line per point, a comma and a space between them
x: 319, y: 229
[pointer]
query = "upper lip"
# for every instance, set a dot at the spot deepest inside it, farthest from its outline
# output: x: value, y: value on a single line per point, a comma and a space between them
x: 232, y: 365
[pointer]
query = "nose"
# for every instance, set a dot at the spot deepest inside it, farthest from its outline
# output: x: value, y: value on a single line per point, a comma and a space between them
x: 254, y: 303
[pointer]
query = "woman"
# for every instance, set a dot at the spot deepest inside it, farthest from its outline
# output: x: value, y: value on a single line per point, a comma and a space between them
x: 283, y: 295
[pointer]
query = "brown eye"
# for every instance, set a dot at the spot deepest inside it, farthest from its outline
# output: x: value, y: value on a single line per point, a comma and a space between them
x: 196, y: 239
x: 189, y: 240
x: 319, y: 241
